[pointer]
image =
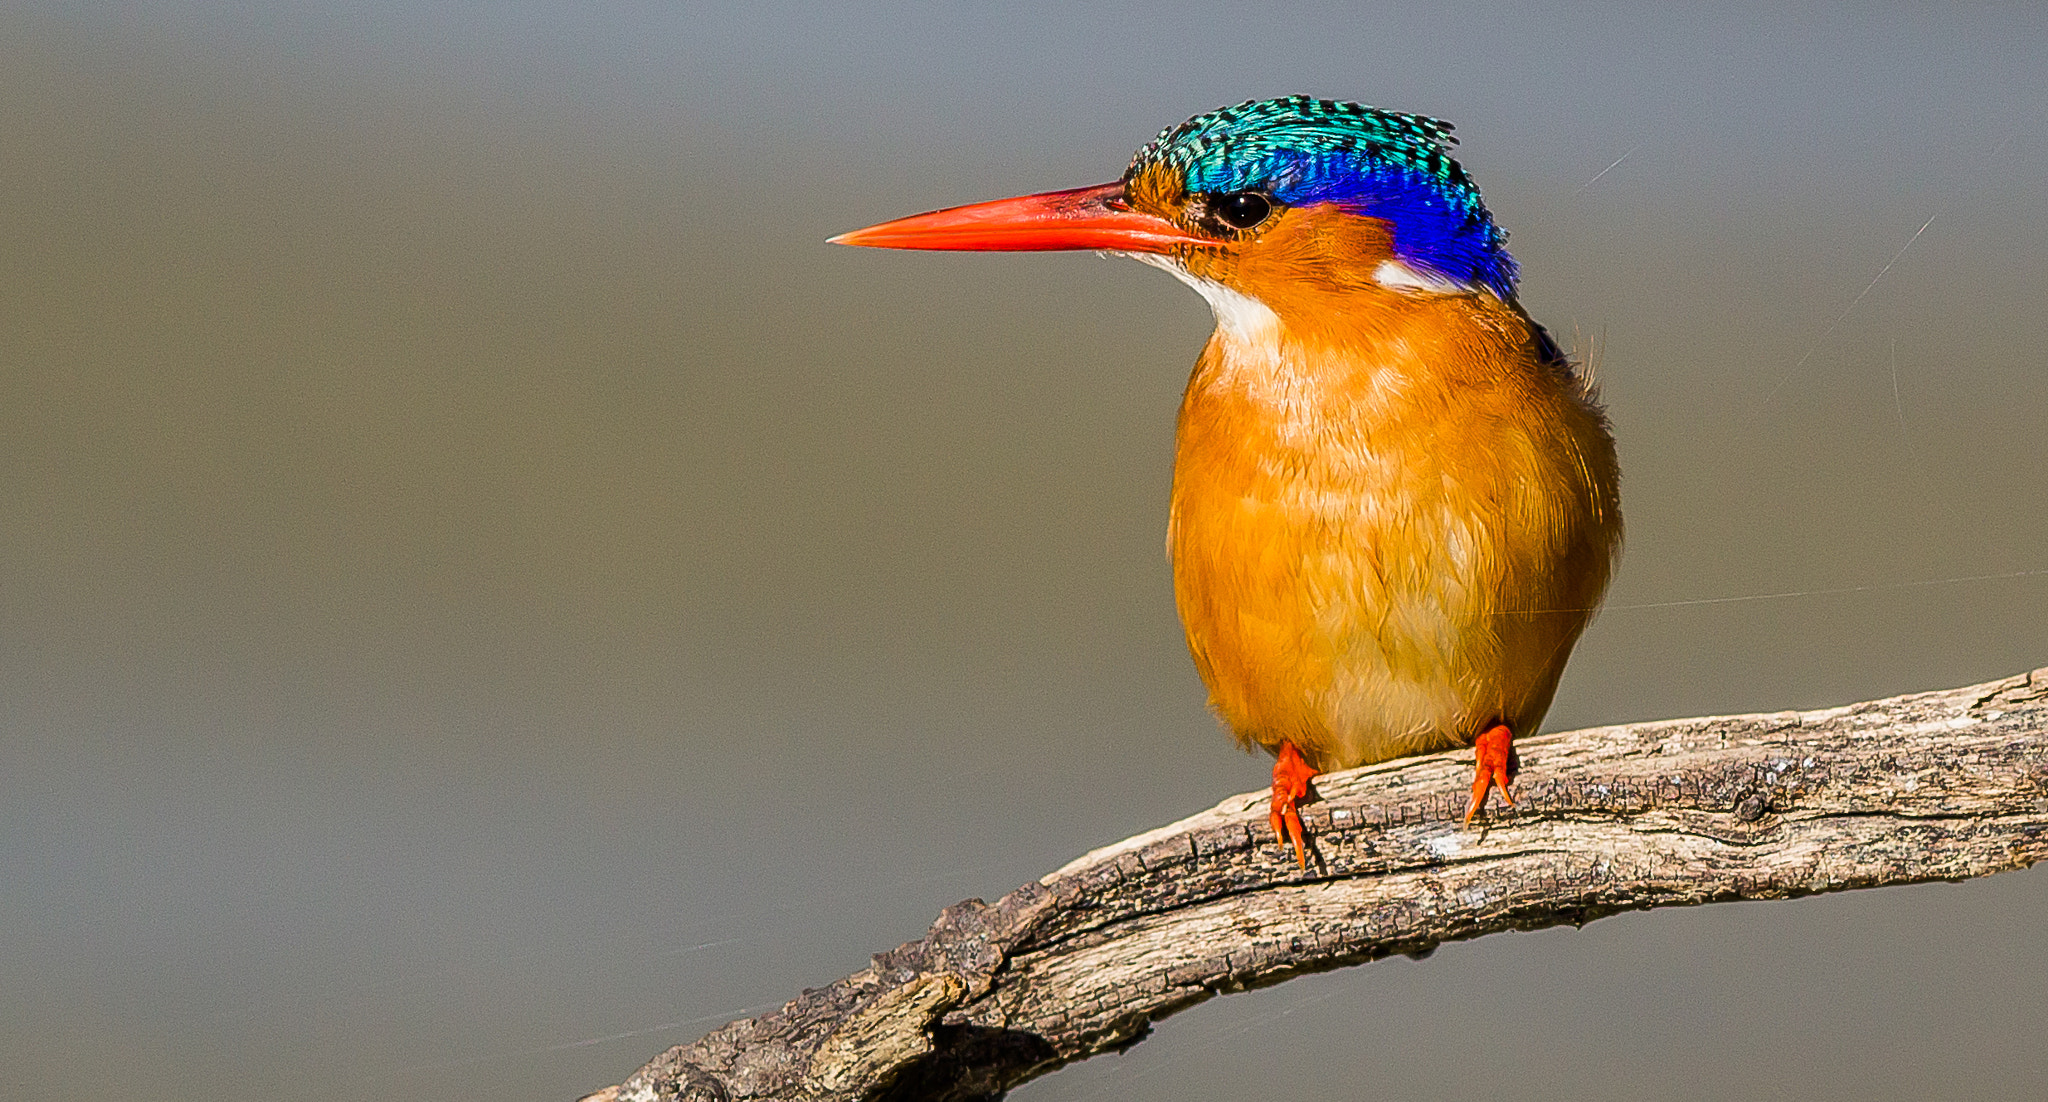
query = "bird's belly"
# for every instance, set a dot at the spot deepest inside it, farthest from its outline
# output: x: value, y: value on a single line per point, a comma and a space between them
x: 1360, y: 605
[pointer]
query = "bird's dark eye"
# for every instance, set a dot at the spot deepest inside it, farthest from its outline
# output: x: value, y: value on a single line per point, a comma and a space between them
x: 1243, y: 209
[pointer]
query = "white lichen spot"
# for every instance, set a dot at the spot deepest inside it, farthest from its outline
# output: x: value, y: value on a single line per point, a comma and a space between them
x: 1445, y: 845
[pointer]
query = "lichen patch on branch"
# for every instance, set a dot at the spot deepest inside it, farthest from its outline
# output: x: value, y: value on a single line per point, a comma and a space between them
x: 1930, y: 786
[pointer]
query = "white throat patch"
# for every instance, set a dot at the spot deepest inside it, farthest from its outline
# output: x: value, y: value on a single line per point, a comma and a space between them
x: 1241, y: 318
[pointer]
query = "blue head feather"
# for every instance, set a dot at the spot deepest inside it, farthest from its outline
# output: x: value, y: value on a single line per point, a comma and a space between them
x: 1382, y: 164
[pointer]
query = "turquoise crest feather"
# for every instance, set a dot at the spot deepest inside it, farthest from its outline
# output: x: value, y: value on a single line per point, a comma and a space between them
x: 1301, y: 151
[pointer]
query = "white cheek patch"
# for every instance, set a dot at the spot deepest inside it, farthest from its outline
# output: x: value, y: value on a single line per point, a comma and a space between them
x: 1394, y: 275
x: 1242, y: 317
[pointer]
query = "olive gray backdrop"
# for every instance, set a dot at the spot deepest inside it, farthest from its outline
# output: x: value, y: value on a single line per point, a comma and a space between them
x: 487, y: 593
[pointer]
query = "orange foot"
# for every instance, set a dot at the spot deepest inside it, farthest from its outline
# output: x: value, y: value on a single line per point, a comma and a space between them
x: 1497, y: 765
x: 1290, y: 785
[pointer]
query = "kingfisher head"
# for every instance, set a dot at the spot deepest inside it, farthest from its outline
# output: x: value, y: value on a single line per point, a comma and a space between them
x: 1263, y: 199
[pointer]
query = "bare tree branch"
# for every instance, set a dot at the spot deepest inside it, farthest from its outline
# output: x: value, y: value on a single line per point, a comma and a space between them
x: 1932, y: 786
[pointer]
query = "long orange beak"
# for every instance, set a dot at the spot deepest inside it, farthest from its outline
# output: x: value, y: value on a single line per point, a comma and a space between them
x: 1083, y: 218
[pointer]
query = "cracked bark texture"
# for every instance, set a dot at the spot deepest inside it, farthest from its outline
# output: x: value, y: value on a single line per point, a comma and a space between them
x: 1931, y: 786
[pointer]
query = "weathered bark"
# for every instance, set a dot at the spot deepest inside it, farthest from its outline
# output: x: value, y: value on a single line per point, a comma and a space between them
x: 1933, y: 786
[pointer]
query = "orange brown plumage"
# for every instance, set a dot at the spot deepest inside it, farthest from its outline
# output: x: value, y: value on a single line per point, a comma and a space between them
x: 1395, y: 502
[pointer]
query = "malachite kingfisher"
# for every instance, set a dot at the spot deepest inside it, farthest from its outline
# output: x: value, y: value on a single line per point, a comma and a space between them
x: 1395, y: 500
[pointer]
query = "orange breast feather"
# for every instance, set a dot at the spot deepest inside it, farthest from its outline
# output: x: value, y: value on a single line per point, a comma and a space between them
x: 1391, y: 520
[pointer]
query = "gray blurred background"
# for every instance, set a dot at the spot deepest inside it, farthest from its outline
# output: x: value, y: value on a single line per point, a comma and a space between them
x: 486, y: 593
